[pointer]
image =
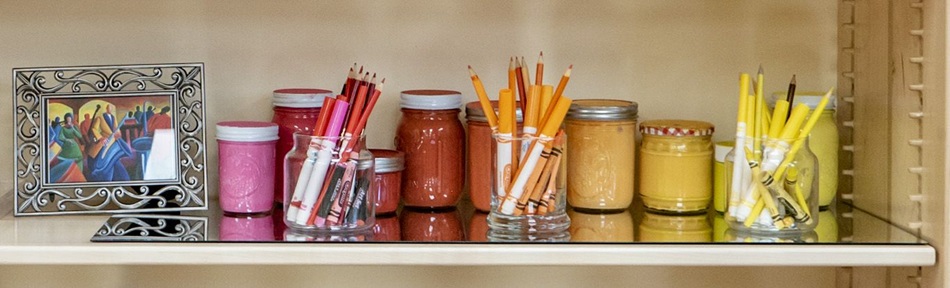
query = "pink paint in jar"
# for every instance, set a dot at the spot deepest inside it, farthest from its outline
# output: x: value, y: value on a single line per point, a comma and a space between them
x: 295, y: 111
x: 389, y: 166
x: 246, y: 152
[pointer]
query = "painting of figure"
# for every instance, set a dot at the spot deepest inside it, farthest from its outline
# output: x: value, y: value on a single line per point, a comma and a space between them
x: 112, y: 142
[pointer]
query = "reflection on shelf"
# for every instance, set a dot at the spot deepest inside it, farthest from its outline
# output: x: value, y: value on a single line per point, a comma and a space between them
x: 446, y: 225
x: 431, y: 225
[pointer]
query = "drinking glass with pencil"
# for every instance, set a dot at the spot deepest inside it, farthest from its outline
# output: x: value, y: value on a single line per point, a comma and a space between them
x: 773, y: 181
x: 329, y: 186
x: 527, y: 192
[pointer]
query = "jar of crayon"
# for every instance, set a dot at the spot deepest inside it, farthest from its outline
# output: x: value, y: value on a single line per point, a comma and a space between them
x: 529, y: 193
x: 329, y: 189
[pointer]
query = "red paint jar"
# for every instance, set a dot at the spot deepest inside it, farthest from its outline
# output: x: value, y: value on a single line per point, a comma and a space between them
x: 295, y: 111
x: 431, y: 226
x: 433, y: 139
x: 478, y: 166
x: 389, y: 166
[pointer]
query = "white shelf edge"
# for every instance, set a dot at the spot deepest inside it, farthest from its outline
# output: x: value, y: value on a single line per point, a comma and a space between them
x: 474, y: 254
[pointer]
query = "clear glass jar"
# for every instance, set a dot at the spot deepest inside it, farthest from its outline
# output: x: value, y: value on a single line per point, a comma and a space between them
x: 329, y: 195
x: 792, y: 195
x: 601, y: 170
x: 478, y: 164
x: 432, y: 136
x: 676, y: 165
x: 537, y: 203
x: 295, y: 111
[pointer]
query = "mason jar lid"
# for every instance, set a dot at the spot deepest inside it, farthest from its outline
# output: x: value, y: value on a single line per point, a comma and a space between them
x: 431, y: 99
x: 388, y: 160
x: 722, y: 149
x: 474, y: 111
x: 602, y: 109
x: 300, y: 97
x: 811, y: 99
x: 677, y: 128
x: 246, y: 131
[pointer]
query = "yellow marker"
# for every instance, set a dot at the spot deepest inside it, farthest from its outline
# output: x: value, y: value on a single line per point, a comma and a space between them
x: 759, y: 116
x: 791, y: 182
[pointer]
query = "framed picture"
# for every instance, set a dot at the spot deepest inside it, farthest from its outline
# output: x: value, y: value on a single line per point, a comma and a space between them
x: 109, y: 139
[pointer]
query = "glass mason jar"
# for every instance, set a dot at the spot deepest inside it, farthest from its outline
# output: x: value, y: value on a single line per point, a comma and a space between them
x: 479, y: 143
x: 823, y: 142
x: 534, y: 199
x: 603, y: 145
x: 246, y: 166
x: 389, y: 166
x: 432, y: 136
x: 295, y: 111
x: 792, y: 203
x: 320, y: 193
x: 676, y: 159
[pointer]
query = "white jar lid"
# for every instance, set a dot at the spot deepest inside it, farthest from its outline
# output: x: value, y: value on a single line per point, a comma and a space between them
x: 722, y: 149
x: 811, y: 99
x: 246, y: 131
x: 300, y: 97
x: 431, y: 99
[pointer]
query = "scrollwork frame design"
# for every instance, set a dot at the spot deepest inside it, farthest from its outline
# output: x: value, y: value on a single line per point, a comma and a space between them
x: 35, y: 195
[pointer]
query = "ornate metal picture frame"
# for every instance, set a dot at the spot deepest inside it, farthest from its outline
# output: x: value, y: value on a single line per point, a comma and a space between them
x: 109, y: 139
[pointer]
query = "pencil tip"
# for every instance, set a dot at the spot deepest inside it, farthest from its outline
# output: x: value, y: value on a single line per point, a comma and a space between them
x: 569, y: 67
x: 760, y: 69
x: 793, y: 78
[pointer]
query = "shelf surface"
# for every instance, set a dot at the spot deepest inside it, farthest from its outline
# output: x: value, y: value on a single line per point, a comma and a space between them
x: 198, y: 237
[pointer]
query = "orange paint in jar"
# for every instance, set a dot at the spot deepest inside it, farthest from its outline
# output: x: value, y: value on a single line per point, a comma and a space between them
x: 433, y: 139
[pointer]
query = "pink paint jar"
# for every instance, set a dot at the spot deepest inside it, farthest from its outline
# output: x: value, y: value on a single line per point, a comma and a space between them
x: 247, y: 227
x: 389, y: 166
x: 246, y: 165
x: 295, y: 111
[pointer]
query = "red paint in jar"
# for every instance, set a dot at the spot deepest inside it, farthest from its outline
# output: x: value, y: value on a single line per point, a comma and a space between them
x: 433, y: 139
x: 295, y: 111
x: 479, y: 149
x: 389, y: 167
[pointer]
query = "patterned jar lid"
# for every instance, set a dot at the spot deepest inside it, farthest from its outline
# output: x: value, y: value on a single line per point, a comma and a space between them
x: 676, y: 128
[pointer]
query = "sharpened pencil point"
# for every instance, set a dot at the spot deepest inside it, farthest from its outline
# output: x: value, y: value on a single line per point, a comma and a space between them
x: 761, y: 71
x: 793, y: 79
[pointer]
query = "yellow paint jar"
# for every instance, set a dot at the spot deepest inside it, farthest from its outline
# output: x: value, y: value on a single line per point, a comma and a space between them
x: 719, y: 174
x: 602, y: 152
x: 676, y: 165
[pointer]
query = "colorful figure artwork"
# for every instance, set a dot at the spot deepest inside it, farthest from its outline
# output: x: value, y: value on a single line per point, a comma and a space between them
x: 94, y: 140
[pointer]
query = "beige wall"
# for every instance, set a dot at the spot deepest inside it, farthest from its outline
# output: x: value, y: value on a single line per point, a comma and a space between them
x: 678, y: 59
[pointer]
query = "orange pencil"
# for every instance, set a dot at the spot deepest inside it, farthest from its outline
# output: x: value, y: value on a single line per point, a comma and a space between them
x: 539, y: 78
x: 520, y: 81
x: 558, y: 93
x: 483, y: 100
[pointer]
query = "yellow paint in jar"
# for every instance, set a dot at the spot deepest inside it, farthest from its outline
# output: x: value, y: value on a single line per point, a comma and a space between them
x: 676, y: 165
x: 602, y: 153
x: 719, y: 175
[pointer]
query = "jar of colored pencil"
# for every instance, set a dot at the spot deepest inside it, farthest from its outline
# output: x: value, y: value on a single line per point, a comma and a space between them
x: 529, y: 193
x: 329, y: 184
x: 771, y: 195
